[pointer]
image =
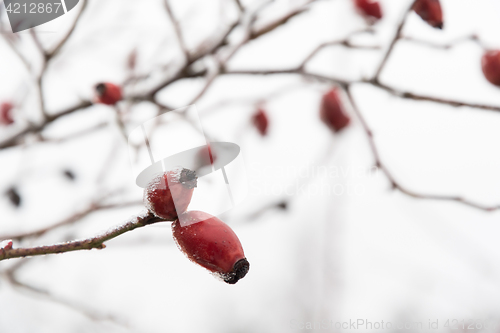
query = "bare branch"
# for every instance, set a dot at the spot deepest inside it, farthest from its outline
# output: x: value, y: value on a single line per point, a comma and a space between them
x: 447, y: 46
x: 418, y: 97
x: 253, y: 100
x: 96, y: 242
x: 256, y: 33
x: 394, y: 183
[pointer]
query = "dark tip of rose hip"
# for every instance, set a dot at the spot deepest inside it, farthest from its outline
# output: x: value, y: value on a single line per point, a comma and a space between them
x: 100, y: 88
x: 440, y: 25
x: 188, y: 178
x: 239, y: 271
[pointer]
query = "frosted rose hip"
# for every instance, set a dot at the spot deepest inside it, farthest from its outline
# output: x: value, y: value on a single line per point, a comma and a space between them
x: 169, y: 194
x: 212, y: 244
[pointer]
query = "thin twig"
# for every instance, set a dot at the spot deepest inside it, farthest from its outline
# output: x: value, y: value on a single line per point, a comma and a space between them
x: 444, y: 101
x: 240, y: 6
x: 472, y: 38
x: 394, y: 40
x: 63, y: 41
x: 18, y: 53
x: 14, y: 139
x: 92, y: 208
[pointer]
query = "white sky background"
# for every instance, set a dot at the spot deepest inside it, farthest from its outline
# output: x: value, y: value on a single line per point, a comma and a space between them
x: 372, y: 254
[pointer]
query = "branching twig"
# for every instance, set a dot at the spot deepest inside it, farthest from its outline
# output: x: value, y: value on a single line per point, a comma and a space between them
x: 447, y: 46
x: 18, y: 53
x: 177, y: 30
x: 394, y: 183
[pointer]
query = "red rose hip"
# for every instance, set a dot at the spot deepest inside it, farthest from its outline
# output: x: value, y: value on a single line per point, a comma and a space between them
x: 169, y: 194
x: 490, y: 64
x: 108, y: 93
x: 332, y: 112
x: 370, y: 9
x: 212, y: 244
x: 430, y: 11
x: 6, y: 113
x: 261, y: 121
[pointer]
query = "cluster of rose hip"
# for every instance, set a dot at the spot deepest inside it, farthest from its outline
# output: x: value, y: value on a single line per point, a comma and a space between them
x: 431, y: 12
x: 203, y: 238
x: 105, y: 93
x: 109, y: 93
x: 332, y: 112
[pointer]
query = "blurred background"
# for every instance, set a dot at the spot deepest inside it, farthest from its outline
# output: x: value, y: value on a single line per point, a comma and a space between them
x: 327, y: 237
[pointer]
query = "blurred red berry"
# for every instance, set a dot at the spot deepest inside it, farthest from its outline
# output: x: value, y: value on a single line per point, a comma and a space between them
x: 491, y: 66
x: 108, y: 93
x: 369, y: 8
x: 6, y: 113
x: 169, y: 194
x: 205, y: 156
x: 212, y: 244
x: 261, y: 121
x: 332, y: 112
x: 430, y: 11
x: 6, y: 244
